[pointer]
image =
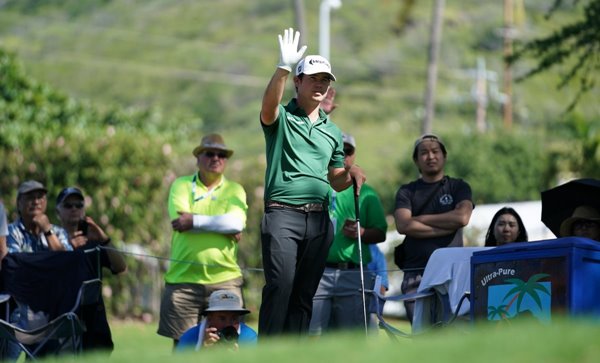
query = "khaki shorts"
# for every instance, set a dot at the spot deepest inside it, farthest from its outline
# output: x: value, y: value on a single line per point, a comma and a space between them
x: 182, y: 305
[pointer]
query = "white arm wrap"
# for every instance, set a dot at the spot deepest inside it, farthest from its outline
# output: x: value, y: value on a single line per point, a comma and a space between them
x: 227, y: 223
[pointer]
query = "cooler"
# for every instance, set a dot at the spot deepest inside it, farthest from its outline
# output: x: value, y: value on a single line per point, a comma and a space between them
x: 536, y: 279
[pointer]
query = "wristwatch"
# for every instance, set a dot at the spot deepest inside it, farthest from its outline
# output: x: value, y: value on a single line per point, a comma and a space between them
x: 48, y: 233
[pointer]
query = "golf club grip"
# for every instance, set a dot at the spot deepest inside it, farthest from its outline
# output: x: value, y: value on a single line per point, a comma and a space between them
x: 356, y: 210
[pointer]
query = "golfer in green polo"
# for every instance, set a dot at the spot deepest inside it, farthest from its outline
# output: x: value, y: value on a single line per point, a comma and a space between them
x: 305, y: 158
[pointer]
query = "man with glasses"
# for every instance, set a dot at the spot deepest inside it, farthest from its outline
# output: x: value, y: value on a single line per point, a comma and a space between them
x: 208, y: 214
x: 584, y: 222
x: 338, y: 302
x: 431, y: 211
x: 32, y: 231
x: 305, y: 159
x: 85, y: 234
x: 83, y: 231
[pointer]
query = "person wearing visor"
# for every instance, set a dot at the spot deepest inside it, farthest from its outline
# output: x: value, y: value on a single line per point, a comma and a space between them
x: 208, y: 214
x: 431, y: 211
x: 222, y: 325
x: 305, y: 158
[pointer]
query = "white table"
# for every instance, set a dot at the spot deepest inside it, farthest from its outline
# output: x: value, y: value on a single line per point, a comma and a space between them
x: 448, y: 273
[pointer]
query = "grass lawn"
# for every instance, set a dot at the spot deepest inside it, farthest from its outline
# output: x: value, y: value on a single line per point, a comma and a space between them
x: 519, y: 341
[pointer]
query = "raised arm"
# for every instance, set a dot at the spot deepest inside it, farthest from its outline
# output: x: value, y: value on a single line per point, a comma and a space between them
x: 115, y: 257
x: 289, y: 55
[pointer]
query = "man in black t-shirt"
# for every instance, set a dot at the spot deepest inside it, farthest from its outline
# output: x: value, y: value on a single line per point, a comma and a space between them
x: 430, y: 211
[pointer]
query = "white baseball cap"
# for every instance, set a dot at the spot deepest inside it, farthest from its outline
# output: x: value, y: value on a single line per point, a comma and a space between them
x: 225, y: 300
x: 313, y: 64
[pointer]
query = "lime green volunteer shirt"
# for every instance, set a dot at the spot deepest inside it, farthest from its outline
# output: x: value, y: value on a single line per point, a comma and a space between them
x: 204, y: 257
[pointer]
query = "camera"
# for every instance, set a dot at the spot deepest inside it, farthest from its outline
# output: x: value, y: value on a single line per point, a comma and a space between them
x: 83, y: 227
x: 228, y: 334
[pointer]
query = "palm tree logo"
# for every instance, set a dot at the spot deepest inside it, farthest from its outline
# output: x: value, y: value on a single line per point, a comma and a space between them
x: 532, y: 288
x: 497, y: 311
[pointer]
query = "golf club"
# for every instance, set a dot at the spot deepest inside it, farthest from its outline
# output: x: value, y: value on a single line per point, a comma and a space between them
x: 360, y: 259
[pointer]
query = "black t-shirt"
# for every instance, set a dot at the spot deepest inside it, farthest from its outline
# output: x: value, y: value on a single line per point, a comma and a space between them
x: 412, y: 196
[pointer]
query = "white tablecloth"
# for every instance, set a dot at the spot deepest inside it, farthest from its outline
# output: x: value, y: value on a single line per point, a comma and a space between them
x: 448, y: 272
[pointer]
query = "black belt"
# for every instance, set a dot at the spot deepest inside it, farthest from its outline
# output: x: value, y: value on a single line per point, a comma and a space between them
x: 306, y: 208
x: 342, y: 265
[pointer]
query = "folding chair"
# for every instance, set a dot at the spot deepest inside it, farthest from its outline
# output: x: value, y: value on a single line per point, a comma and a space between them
x: 63, y: 332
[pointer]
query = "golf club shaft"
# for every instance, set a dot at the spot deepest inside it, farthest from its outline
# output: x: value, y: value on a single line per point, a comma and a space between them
x: 360, y: 258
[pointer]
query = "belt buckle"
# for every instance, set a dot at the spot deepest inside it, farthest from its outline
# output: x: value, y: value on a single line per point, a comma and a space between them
x: 343, y: 265
x: 313, y: 207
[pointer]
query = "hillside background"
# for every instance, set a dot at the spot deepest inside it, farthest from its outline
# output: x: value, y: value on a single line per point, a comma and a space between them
x: 143, y: 80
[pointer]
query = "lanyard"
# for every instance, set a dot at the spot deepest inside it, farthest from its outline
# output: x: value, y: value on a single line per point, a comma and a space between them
x: 205, y: 195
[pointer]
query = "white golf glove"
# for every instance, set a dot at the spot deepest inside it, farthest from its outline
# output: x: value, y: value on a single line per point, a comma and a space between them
x: 288, y: 45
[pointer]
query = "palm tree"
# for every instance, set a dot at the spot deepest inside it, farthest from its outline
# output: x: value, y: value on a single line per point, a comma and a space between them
x: 497, y: 311
x: 522, y: 288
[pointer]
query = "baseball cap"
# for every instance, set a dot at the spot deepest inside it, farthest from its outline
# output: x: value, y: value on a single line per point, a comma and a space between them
x: 349, y: 139
x: 313, y: 64
x: 30, y: 186
x: 212, y: 141
x: 67, y: 192
x: 428, y: 137
x: 225, y: 300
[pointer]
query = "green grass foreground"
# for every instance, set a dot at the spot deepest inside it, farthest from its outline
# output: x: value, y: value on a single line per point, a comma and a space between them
x: 523, y: 341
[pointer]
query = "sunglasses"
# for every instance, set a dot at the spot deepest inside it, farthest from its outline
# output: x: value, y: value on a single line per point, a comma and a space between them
x: 581, y: 224
x: 348, y: 151
x: 72, y: 205
x: 34, y: 196
x: 212, y: 154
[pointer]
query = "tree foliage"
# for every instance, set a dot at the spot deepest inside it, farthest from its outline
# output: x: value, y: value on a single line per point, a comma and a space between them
x: 47, y: 136
x: 123, y: 162
x: 575, y: 46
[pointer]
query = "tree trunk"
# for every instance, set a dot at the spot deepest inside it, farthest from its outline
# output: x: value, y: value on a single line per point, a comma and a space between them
x: 507, y: 52
x: 434, y: 45
x: 300, y: 20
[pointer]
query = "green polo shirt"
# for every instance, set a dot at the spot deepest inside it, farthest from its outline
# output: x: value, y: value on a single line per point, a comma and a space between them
x: 372, y: 215
x: 299, y: 154
x: 204, y: 257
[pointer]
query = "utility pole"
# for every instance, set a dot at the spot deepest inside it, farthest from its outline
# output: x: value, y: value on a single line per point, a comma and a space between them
x: 433, y: 54
x: 508, y: 33
x: 324, y: 10
x: 480, y: 94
